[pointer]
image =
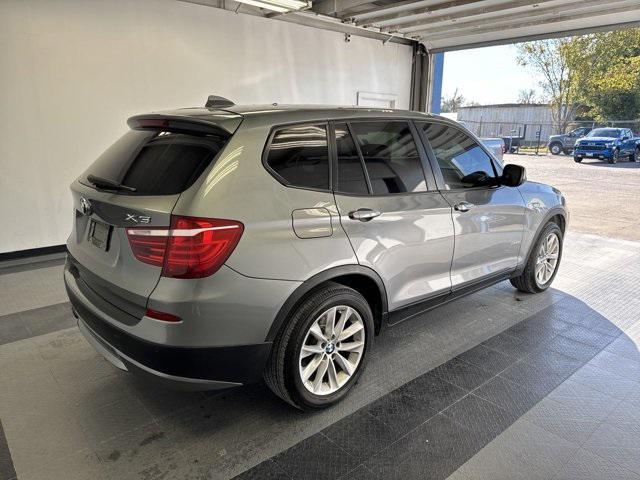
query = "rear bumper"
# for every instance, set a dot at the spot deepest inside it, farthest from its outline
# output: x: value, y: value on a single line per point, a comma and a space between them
x: 186, y: 368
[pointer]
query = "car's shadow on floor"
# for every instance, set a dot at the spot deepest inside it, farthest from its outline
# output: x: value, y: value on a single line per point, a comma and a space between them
x: 228, y: 432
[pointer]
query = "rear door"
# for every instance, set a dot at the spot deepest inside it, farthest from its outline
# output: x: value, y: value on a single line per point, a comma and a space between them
x: 488, y: 219
x: 398, y: 224
x: 154, y: 166
x: 569, y: 140
x: 628, y: 144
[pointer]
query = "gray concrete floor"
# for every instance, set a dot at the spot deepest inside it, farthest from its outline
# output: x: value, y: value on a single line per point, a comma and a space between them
x: 66, y: 413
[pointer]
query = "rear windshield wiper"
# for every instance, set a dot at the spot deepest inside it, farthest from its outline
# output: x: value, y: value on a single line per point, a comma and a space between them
x: 107, y: 184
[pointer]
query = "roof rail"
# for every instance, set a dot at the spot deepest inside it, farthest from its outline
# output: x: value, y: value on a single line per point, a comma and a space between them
x: 214, y: 101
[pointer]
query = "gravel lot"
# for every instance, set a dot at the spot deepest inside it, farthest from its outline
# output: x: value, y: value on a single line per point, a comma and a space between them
x: 603, y: 199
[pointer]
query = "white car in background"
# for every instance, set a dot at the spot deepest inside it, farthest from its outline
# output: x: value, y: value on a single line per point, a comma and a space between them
x: 496, y: 146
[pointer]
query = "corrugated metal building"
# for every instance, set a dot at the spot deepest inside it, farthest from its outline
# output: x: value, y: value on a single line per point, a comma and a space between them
x: 508, y: 119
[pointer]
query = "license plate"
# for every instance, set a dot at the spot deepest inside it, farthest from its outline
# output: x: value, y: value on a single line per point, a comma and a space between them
x: 99, y: 234
x: 589, y: 154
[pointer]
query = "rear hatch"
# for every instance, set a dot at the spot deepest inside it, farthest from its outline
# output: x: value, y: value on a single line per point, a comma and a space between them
x: 135, y: 184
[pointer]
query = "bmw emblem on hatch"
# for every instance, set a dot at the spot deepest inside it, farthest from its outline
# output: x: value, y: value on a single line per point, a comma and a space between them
x: 85, y: 206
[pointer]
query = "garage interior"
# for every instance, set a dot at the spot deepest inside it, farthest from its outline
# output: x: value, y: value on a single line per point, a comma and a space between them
x: 496, y: 385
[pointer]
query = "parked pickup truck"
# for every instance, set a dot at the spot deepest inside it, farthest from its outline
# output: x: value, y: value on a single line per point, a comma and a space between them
x: 610, y: 144
x: 564, y: 143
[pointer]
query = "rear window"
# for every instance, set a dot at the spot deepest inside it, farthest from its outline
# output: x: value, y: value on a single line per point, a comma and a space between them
x: 156, y: 162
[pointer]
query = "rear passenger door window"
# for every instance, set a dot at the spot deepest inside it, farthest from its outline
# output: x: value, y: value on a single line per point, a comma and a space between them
x: 463, y: 163
x: 298, y: 155
x: 350, y: 171
x: 390, y: 156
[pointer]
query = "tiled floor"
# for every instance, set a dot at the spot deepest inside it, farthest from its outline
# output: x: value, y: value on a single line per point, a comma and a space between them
x: 496, y: 385
x: 519, y: 405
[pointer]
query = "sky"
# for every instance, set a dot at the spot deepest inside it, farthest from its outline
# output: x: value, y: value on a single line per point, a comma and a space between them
x: 486, y: 75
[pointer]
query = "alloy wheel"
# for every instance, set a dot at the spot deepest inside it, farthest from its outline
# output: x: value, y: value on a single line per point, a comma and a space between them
x: 332, y: 350
x: 547, y: 259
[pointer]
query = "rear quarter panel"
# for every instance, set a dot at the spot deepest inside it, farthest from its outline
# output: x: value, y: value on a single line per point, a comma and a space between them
x: 239, y: 187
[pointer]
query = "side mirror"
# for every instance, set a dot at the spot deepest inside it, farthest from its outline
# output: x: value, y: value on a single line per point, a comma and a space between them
x: 513, y: 175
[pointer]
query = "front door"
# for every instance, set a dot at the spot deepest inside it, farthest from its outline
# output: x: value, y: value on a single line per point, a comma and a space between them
x: 488, y: 219
x: 397, y: 222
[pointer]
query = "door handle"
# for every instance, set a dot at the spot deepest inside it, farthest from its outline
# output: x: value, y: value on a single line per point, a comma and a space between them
x: 464, y: 206
x: 363, y: 214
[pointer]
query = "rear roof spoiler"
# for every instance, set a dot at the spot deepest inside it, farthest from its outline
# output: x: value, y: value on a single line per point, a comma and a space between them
x: 223, y: 125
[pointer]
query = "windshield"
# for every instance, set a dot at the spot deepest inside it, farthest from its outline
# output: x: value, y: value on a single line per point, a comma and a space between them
x: 605, y: 132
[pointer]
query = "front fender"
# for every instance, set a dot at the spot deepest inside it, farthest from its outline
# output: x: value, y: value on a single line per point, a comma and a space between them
x: 542, y: 203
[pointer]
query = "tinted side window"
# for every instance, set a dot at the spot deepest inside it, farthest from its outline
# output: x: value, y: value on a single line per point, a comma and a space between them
x: 300, y: 156
x: 390, y: 156
x: 351, y: 177
x: 462, y: 162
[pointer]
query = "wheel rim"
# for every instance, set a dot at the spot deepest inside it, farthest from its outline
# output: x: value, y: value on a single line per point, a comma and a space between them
x: 555, y: 149
x: 547, y: 259
x: 332, y: 350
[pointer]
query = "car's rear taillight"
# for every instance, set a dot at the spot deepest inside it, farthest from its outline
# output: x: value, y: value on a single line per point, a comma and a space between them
x: 149, y: 245
x: 190, y: 248
x: 198, y: 247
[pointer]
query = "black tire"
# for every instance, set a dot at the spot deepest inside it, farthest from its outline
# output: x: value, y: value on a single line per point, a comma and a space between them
x: 567, y: 151
x: 555, y: 148
x: 282, y: 372
x: 526, y: 281
x: 635, y: 156
x: 577, y: 160
x: 615, y: 157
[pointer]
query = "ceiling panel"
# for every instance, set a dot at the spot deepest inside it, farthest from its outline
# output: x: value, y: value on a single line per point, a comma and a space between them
x: 455, y: 24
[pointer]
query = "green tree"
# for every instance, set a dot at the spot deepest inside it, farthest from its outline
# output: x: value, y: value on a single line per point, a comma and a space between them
x: 599, y: 72
x: 548, y: 59
x: 527, y: 96
x: 452, y: 103
x: 607, y: 73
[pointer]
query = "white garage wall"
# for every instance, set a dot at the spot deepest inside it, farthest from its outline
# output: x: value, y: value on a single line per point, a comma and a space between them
x: 72, y: 71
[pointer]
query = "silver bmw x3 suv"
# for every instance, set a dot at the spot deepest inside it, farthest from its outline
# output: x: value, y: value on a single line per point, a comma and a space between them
x: 214, y: 247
